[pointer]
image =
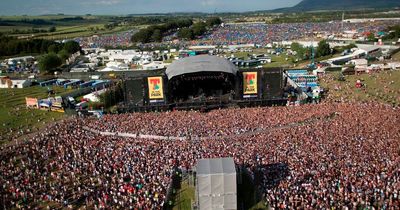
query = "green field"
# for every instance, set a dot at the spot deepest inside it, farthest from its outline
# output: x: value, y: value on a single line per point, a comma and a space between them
x: 185, y: 197
x: 396, y: 57
x: 282, y: 60
x: 66, y: 26
x: 67, y: 32
x: 16, y: 120
x: 381, y: 87
x: 277, y: 60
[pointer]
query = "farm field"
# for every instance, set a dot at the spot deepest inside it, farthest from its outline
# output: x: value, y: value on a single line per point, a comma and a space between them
x: 66, y: 26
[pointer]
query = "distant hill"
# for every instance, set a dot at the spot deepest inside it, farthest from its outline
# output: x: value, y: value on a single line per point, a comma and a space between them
x: 315, y: 5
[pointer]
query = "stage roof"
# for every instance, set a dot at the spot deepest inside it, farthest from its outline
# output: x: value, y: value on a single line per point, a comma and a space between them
x: 200, y: 63
x: 215, y: 166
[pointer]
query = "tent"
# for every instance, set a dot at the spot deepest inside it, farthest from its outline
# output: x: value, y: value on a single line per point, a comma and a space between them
x: 216, y: 184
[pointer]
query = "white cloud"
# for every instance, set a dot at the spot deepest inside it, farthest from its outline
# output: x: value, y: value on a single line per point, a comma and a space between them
x: 209, y: 3
x: 102, y: 2
x: 109, y: 2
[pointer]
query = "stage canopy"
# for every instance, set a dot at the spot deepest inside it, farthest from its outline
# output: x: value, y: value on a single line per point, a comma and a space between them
x: 200, y: 63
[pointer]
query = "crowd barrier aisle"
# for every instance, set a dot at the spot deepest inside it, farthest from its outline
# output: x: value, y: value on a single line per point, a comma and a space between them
x: 190, y: 138
x: 130, y: 135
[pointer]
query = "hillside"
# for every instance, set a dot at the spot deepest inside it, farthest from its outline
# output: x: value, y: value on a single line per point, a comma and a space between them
x: 314, y: 5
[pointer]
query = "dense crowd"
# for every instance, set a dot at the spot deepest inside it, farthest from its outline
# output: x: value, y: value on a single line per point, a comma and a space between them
x: 122, y: 39
x: 263, y: 34
x: 248, y: 33
x: 195, y: 124
x: 307, y: 157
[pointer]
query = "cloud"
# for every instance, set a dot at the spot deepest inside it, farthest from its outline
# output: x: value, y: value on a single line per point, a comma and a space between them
x: 102, y: 2
x: 207, y: 3
x: 118, y: 7
x: 109, y: 2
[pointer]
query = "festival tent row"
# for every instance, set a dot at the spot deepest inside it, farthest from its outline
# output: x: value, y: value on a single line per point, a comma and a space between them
x: 50, y: 104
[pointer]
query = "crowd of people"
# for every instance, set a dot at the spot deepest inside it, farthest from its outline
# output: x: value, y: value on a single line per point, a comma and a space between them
x: 245, y: 33
x: 122, y: 39
x: 195, y: 124
x: 263, y: 34
x: 307, y: 157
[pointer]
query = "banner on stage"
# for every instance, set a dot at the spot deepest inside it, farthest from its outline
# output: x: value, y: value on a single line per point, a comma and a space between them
x: 155, y: 88
x: 250, y: 83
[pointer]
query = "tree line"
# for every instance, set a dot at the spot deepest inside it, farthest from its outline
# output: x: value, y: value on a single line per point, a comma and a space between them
x: 323, y: 49
x: 57, y: 54
x: 393, y: 33
x: 186, y: 30
x: 11, y: 46
x: 155, y: 33
x: 33, y: 30
x: 198, y: 29
x: 54, y: 53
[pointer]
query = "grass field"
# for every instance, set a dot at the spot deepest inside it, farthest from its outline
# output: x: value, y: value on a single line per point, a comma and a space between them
x: 277, y: 60
x: 382, y: 87
x: 185, y: 196
x: 68, y: 32
x: 396, y: 56
x: 42, y: 17
x: 282, y: 60
x: 65, y: 29
x: 16, y: 120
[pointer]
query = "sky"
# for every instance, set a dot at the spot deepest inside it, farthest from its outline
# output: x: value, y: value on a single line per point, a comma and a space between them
x: 122, y: 7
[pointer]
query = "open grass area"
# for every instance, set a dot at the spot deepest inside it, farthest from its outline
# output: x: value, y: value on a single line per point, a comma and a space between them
x: 280, y: 61
x: 82, y: 31
x: 42, y: 17
x: 277, y: 60
x: 185, y: 196
x: 259, y: 206
x: 382, y: 87
x: 68, y: 32
x: 16, y: 120
x: 396, y: 57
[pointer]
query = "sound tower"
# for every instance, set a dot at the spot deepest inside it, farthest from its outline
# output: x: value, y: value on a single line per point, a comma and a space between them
x: 272, y: 83
x: 134, y: 91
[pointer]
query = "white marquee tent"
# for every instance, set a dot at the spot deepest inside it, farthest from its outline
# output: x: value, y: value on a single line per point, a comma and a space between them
x: 216, y: 184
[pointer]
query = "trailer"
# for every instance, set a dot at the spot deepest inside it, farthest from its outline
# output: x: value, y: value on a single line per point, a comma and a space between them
x: 61, y: 82
x: 73, y: 83
x: 48, y: 83
x: 87, y: 84
x: 101, y: 83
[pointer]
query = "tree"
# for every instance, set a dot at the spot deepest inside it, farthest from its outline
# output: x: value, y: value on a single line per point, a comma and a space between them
x: 323, y: 48
x: 371, y: 37
x: 299, y: 49
x: 52, y: 29
x: 72, y: 47
x: 155, y: 32
x: 64, y: 55
x: 49, y: 62
x: 142, y: 36
x: 213, y: 21
x: 199, y: 29
x: 52, y: 48
x: 156, y: 36
x: 186, y: 33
